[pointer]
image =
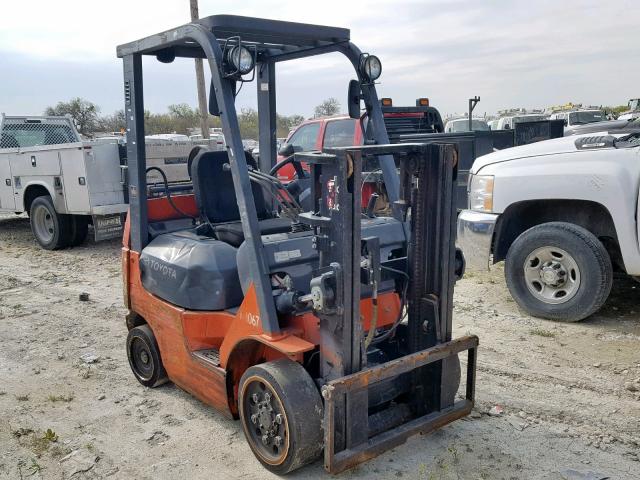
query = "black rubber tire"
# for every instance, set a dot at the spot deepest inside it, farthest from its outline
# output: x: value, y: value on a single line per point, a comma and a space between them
x: 79, y: 230
x: 142, y: 337
x: 303, y: 409
x: 451, y: 376
x: 62, y: 225
x: 596, y: 272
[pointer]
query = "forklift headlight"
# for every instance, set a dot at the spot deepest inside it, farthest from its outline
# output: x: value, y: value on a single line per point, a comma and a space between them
x: 481, y: 193
x: 240, y: 59
x: 371, y: 68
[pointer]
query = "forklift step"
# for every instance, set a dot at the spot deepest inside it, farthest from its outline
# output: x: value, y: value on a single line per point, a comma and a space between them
x: 209, y: 356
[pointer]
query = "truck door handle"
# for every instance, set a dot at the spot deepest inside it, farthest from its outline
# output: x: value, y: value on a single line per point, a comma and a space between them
x: 33, y: 160
x: 124, y: 172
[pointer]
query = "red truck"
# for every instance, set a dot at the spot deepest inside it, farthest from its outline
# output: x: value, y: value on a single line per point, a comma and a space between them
x: 342, y: 131
x: 320, y: 133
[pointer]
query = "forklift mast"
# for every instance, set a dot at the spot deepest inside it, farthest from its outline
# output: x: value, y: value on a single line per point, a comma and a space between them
x: 427, y: 357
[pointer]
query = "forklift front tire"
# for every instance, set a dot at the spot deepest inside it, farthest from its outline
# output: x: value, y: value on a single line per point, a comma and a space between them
x: 281, y: 413
x: 144, y: 357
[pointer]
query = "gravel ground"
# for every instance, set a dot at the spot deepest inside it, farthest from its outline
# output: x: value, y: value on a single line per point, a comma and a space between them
x: 70, y: 408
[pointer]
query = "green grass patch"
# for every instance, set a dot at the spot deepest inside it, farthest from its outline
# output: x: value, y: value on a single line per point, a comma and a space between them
x: 60, y: 398
x: 540, y: 332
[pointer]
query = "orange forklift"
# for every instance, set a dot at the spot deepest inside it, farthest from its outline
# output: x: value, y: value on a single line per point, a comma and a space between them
x: 326, y: 329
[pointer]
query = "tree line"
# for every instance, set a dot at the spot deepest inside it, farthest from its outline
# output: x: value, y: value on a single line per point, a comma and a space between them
x: 180, y: 118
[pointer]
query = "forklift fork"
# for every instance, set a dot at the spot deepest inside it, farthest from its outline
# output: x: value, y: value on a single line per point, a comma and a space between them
x: 426, y: 362
x: 348, y: 388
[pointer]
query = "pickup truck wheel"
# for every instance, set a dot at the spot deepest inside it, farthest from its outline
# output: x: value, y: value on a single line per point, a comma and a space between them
x: 51, y: 229
x: 558, y: 271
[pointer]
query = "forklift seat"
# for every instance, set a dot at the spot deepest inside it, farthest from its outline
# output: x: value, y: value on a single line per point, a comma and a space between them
x: 216, y: 199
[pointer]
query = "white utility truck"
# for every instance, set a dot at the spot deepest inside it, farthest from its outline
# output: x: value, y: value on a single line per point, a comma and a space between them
x: 577, y: 117
x: 62, y: 182
x: 563, y: 214
x: 508, y: 121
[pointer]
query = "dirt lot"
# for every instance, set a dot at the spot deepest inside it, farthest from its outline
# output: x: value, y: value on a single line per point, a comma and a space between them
x: 69, y: 407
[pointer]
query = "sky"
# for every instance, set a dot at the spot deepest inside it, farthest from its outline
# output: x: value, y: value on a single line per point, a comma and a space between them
x: 518, y: 53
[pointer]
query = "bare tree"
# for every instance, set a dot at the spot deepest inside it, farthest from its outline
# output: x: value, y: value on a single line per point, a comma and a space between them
x: 182, y: 118
x: 113, y: 123
x: 286, y: 124
x: 83, y: 112
x: 331, y: 106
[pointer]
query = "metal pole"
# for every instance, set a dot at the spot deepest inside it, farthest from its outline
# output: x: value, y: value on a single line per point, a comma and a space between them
x: 267, y: 114
x: 202, y: 93
x: 472, y: 104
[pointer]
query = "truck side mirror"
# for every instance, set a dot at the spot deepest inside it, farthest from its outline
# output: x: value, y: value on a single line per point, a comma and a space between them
x: 286, y: 150
x: 353, y: 99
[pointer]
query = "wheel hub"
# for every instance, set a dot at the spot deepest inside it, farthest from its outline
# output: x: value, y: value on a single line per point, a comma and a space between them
x: 142, y: 360
x: 551, y: 275
x: 43, y: 223
x: 144, y: 357
x: 266, y: 418
x: 267, y: 425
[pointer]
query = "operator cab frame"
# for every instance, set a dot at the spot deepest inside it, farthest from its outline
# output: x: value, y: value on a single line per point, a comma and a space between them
x: 218, y: 39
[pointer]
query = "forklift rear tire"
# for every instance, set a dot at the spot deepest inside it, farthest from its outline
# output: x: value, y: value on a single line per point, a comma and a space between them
x: 144, y: 357
x: 51, y: 229
x: 79, y: 230
x: 281, y: 413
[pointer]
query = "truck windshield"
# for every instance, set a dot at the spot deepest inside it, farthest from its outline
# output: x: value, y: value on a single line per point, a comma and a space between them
x: 463, y: 125
x: 528, y: 118
x: 21, y: 135
x: 580, y: 118
x: 339, y: 133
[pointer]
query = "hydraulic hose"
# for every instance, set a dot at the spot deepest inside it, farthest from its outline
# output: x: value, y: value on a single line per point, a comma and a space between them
x: 374, y: 318
x: 393, y: 328
x: 168, y: 193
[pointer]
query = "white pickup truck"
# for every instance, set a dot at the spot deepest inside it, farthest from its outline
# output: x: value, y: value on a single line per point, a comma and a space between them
x: 60, y: 181
x: 563, y: 214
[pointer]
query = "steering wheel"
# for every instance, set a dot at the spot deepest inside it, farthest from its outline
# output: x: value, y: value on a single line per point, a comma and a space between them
x: 300, y: 172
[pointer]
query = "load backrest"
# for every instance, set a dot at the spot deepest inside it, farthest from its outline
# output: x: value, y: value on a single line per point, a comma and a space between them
x: 214, y: 190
